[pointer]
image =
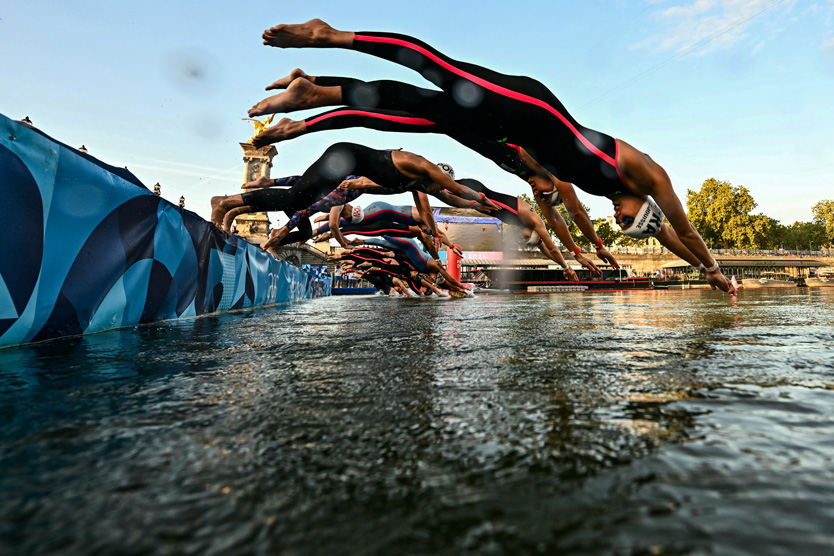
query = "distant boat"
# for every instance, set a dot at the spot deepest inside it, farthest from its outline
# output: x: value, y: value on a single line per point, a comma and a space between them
x: 769, y: 280
x: 823, y: 279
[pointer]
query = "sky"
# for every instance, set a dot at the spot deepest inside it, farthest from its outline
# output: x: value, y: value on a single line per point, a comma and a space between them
x: 737, y: 90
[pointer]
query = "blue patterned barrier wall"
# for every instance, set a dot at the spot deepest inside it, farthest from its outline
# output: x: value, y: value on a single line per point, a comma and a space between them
x: 88, y: 248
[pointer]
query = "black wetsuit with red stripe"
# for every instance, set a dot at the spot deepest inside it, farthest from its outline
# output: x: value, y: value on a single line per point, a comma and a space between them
x: 385, y: 265
x: 326, y: 173
x: 508, y: 205
x: 503, y: 108
x: 505, y: 155
x: 379, y: 227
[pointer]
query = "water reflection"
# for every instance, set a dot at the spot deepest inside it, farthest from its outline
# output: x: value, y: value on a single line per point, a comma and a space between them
x: 608, y: 422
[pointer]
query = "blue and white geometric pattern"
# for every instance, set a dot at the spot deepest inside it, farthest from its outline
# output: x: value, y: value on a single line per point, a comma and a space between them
x: 90, y: 248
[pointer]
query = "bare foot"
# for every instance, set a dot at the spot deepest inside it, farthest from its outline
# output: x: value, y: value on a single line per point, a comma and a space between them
x: 300, y: 94
x: 231, y: 215
x: 270, y: 243
x: 259, y: 183
x: 283, y: 130
x: 312, y: 34
x: 284, y: 82
x: 218, y: 211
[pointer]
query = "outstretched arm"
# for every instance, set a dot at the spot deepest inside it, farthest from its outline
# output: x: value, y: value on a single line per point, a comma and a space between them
x: 560, y: 227
x: 333, y: 222
x: 645, y: 176
x: 669, y: 239
x: 550, y: 250
x: 437, y: 267
x: 688, y: 236
x: 421, y: 201
x: 417, y: 167
x: 575, y: 209
x: 433, y: 287
x: 578, y: 214
x: 455, y: 201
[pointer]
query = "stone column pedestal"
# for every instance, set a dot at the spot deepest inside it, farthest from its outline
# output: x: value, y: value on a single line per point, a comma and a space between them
x: 254, y: 227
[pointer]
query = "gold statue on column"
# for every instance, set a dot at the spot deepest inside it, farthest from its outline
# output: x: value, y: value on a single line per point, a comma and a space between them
x: 259, y: 125
x: 254, y: 227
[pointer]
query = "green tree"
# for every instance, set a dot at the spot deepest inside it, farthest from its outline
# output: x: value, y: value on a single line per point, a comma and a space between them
x: 804, y: 235
x: 824, y: 215
x: 776, y: 238
x: 721, y: 213
x: 607, y: 234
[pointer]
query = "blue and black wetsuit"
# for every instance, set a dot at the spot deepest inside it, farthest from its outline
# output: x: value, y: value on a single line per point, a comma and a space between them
x: 374, y: 214
x: 410, y: 247
x: 301, y: 219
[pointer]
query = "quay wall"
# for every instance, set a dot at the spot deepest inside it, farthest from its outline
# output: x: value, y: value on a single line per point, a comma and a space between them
x: 646, y: 263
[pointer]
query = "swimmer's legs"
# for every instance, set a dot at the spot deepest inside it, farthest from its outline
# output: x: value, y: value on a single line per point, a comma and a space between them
x: 300, y: 94
x: 232, y: 214
x: 284, y: 82
x: 220, y: 205
x: 282, y: 131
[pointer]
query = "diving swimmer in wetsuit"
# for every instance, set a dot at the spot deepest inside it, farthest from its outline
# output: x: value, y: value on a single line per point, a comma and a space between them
x: 514, y: 109
x: 382, y: 172
x: 548, y: 191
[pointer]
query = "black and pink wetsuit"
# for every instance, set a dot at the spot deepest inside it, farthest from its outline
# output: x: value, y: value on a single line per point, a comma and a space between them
x: 505, y: 155
x: 508, y: 205
x: 503, y: 108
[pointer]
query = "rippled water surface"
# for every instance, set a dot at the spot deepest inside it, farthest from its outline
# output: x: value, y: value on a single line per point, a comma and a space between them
x: 657, y: 422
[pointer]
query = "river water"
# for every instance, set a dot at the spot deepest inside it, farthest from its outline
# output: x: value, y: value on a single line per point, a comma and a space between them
x: 646, y: 422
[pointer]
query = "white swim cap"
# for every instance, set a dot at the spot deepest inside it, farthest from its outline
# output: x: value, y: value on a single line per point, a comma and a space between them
x: 534, y: 239
x: 356, y: 215
x: 447, y: 169
x: 648, y: 221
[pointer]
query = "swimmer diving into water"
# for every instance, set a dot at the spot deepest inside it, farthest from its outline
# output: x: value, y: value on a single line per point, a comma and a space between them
x: 383, y: 172
x: 513, y: 109
x: 548, y: 191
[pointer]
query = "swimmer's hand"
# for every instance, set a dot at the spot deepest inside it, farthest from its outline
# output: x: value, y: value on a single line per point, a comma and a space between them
x: 481, y: 207
x: 571, y: 275
x: 718, y: 280
x: 437, y: 241
x: 606, y: 256
x: 359, y: 183
x: 489, y: 206
x: 587, y: 263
